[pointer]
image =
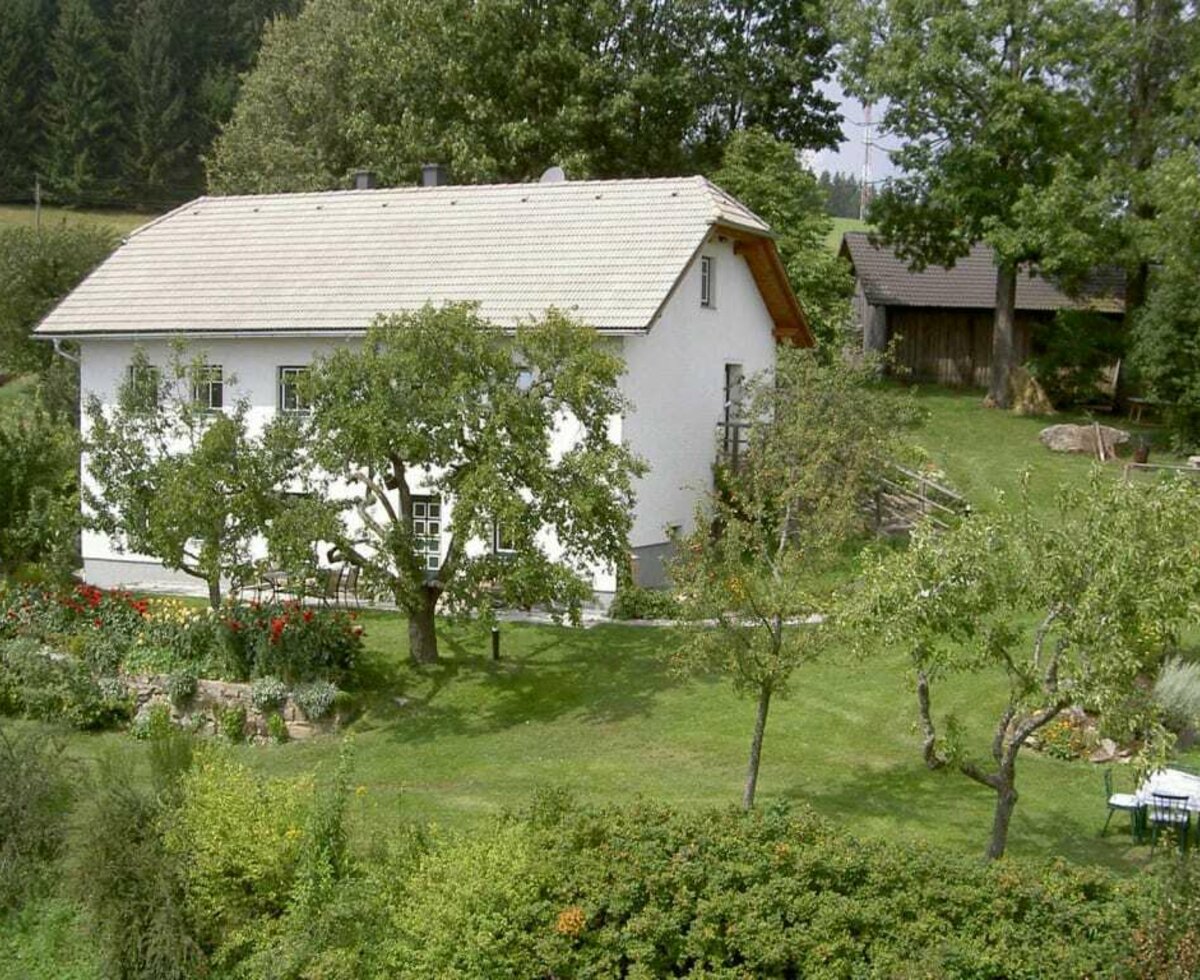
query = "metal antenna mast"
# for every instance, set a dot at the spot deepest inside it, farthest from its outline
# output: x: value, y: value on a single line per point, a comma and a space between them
x: 864, y: 192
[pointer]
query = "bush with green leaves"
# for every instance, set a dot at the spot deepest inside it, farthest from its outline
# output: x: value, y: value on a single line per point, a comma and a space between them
x: 268, y: 693
x: 1072, y: 352
x: 315, y: 700
x: 277, y: 729
x: 291, y: 641
x: 181, y: 686
x: 42, y: 684
x: 635, y: 602
x: 231, y: 723
x: 37, y: 793
x: 152, y: 721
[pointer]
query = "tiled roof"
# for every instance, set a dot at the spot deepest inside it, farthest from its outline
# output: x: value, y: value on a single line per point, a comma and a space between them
x: 970, y: 284
x: 608, y: 251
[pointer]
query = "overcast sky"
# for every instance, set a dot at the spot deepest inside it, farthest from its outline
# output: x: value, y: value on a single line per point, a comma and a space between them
x: 848, y: 158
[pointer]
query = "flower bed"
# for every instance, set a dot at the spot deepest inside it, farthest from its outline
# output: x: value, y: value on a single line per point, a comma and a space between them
x: 71, y: 653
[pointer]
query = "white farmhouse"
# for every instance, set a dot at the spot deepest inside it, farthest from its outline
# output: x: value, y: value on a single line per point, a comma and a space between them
x: 681, y: 278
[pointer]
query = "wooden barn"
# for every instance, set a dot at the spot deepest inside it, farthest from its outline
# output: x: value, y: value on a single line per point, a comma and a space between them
x: 943, y: 317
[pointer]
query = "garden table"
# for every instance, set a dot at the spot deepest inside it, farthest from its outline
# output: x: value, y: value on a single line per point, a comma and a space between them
x: 1170, y: 782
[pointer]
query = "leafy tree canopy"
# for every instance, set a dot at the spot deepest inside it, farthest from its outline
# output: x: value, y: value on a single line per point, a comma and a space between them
x: 501, y: 89
x: 440, y: 404
x: 1071, y: 609
x: 783, y: 516
x: 168, y: 477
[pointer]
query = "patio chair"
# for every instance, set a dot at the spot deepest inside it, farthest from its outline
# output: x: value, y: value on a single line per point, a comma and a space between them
x: 349, y: 586
x: 326, y: 585
x: 1170, y: 813
x: 1126, y: 802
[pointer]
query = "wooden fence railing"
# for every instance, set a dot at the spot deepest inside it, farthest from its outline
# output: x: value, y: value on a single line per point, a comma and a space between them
x: 903, y: 498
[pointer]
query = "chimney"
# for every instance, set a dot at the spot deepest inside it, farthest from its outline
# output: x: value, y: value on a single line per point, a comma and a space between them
x: 434, y: 175
x: 364, y: 180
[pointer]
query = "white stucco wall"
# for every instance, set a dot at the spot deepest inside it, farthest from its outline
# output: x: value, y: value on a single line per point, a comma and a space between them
x: 676, y: 381
x: 250, y: 368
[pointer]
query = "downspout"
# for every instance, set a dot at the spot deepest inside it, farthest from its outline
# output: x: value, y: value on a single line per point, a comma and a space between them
x: 61, y: 352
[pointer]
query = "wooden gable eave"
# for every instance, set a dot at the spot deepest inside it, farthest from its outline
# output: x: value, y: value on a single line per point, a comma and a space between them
x: 766, y: 267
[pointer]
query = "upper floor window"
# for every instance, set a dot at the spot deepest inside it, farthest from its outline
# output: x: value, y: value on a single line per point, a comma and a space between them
x: 708, y: 269
x: 208, y: 387
x: 291, y: 397
x: 503, y: 541
x: 427, y: 531
x: 143, y: 381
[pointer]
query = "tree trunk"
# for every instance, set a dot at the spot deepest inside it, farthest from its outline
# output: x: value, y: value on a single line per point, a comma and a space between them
x: 422, y: 628
x: 928, y: 732
x: 1006, y: 800
x: 214, y: 592
x: 760, y: 727
x: 1003, y: 331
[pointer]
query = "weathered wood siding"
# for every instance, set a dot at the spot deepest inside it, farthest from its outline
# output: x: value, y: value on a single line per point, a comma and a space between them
x: 952, y: 347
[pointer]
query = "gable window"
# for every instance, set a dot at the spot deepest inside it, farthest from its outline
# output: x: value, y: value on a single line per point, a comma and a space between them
x: 503, y: 541
x: 208, y: 388
x: 291, y: 398
x: 708, y: 268
x: 427, y: 531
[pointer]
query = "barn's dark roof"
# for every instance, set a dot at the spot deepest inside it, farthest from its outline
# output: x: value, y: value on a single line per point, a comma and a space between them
x: 970, y: 284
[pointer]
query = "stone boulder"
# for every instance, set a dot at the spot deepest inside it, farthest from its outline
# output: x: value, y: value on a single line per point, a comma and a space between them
x: 1067, y: 438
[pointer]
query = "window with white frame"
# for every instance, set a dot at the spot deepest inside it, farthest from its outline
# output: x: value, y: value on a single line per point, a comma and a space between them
x: 427, y: 531
x: 143, y: 381
x: 708, y: 269
x: 208, y: 387
x: 291, y: 397
x: 503, y: 541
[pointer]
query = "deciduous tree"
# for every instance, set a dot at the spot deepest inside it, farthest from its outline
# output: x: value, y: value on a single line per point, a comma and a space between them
x: 981, y: 99
x: 169, y: 477
x: 440, y: 408
x: 1072, y: 608
x: 783, y: 516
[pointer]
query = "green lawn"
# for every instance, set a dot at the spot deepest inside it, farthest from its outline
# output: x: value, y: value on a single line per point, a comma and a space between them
x: 122, y: 221
x: 842, y: 225
x: 598, y: 712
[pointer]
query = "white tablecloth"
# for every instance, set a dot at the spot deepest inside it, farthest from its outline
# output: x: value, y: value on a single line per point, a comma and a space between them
x: 1171, y: 782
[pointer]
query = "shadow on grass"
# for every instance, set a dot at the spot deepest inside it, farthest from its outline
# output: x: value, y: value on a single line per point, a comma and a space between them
x: 906, y: 796
x: 602, y: 675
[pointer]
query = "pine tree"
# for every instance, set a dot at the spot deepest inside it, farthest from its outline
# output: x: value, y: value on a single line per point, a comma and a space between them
x: 22, y: 75
x: 81, y: 107
x: 158, y: 153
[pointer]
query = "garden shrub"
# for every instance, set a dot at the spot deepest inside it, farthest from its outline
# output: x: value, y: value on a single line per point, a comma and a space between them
x: 239, y: 838
x: 1177, y: 693
x: 131, y: 885
x: 634, y: 602
x: 181, y: 686
x: 37, y: 683
x: 292, y: 641
x: 276, y: 727
x: 268, y: 693
x: 34, y: 802
x: 316, y: 699
x: 153, y: 721
x: 1071, y: 352
x: 231, y: 722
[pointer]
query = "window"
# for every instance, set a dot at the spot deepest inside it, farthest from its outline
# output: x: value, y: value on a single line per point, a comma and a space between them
x: 733, y: 429
x: 291, y: 398
x: 142, y: 382
x: 707, y: 274
x: 503, y: 542
x: 208, y: 388
x: 427, y: 531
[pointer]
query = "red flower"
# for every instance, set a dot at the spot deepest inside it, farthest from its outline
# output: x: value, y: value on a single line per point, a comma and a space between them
x: 308, y: 615
x: 277, y: 625
x: 96, y: 622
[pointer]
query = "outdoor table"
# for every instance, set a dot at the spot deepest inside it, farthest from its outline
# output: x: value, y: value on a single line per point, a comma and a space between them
x: 1170, y: 782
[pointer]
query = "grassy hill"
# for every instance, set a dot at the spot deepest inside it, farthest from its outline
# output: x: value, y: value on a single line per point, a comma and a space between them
x: 122, y: 221
x: 841, y: 225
